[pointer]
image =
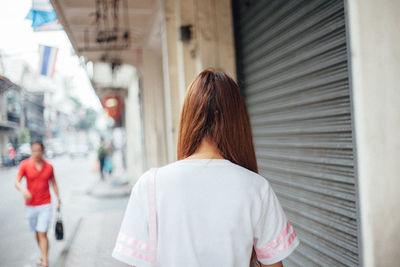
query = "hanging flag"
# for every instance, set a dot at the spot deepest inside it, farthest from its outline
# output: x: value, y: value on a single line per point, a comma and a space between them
x: 43, y: 16
x: 47, y: 60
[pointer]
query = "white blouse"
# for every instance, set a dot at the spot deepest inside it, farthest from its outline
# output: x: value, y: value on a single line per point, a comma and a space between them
x: 210, y: 212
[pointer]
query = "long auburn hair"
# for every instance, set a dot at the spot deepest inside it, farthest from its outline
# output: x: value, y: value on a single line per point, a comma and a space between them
x: 214, y: 108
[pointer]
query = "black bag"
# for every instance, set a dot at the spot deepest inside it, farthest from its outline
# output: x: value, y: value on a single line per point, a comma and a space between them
x: 59, y: 231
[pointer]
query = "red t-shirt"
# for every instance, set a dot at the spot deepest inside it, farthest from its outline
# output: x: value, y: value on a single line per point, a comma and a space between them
x: 37, y: 181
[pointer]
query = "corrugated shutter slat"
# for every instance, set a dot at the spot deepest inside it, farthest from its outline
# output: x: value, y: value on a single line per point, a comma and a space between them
x: 293, y: 71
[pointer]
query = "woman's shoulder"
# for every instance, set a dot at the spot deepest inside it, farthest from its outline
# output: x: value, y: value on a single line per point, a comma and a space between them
x: 255, y: 179
x: 222, y: 167
x: 144, y: 177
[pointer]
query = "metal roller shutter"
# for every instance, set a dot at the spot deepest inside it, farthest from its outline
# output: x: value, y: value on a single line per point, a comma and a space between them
x: 292, y: 68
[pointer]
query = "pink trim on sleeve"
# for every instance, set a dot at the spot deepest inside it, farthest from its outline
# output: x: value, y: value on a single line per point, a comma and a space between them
x: 131, y: 253
x: 127, y: 240
x: 281, y: 248
x: 152, y: 217
x: 275, y: 241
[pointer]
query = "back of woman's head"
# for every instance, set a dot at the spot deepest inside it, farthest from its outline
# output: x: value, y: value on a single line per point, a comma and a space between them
x: 214, y: 108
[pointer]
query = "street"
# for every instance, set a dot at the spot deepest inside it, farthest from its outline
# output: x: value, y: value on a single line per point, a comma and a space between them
x: 80, y: 209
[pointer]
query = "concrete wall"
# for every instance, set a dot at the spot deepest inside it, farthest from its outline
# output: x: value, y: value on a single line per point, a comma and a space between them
x: 3, y: 143
x: 211, y: 45
x: 375, y: 61
x: 169, y: 65
x: 135, y: 153
x: 152, y: 92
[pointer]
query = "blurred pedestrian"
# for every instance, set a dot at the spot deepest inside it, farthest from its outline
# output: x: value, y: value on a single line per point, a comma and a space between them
x: 11, y: 154
x: 211, y: 207
x: 108, y: 162
x: 123, y: 154
x: 101, y: 156
x: 38, y: 209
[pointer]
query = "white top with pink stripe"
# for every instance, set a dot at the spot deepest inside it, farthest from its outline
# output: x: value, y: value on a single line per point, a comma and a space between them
x: 210, y: 212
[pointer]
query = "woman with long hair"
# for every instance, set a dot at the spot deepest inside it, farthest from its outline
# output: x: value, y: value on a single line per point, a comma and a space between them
x: 211, y: 207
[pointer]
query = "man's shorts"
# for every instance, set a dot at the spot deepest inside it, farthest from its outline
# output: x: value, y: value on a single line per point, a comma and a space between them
x: 39, y: 217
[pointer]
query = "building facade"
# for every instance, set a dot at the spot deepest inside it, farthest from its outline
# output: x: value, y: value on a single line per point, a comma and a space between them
x: 10, y: 114
x: 321, y: 85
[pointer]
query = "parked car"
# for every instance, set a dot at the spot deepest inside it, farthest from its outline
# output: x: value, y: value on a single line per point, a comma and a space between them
x: 24, y: 152
x: 58, y: 149
x: 49, y: 152
x: 78, y: 151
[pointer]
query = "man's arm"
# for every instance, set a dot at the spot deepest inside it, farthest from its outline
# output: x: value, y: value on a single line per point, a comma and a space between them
x: 55, y: 188
x: 27, y: 195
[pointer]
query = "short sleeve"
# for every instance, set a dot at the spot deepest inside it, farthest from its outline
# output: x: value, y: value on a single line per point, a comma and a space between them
x: 51, y: 176
x: 21, y: 170
x: 275, y: 238
x: 132, y: 246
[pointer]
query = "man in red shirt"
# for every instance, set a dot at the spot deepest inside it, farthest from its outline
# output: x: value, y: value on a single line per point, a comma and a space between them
x: 39, y: 173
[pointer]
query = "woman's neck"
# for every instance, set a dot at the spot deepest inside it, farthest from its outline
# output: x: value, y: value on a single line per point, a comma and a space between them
x: 207, y: 150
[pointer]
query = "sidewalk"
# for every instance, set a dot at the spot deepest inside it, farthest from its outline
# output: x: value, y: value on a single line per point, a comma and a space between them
x: 94, y: 242
x: 96, y: 233
x: 115, y: 185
